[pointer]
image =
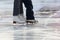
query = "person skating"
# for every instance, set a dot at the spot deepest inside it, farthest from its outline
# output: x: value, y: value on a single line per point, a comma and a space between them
x: 29, y: 10
x: 18, y: 11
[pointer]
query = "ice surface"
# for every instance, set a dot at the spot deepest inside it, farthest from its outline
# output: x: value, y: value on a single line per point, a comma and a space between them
x: 47, y: 28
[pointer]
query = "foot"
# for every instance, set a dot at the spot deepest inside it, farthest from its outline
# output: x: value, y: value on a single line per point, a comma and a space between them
x: 18, y: 19
x: 15, y: 19
x: 21, y: 17
x: 31, y: 21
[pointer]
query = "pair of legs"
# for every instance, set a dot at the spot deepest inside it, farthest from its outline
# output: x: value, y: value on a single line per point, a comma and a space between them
x: 18, y: 9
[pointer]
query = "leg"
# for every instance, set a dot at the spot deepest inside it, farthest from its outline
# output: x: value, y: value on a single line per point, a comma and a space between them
x: 21, y: 7
x: 18, y: 9
x: 29, y: 9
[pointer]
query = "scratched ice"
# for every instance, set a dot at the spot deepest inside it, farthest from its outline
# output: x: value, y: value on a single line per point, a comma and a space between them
x: 46, y: 28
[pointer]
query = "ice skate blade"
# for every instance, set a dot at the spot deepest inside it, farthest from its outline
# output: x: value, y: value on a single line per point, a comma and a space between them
x: 29, y: 22
x: 18, y: 23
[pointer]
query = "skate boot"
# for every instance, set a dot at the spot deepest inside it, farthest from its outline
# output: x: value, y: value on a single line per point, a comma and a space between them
x: 19, y: 19
x: 15, y: 19
x: 31, y: 21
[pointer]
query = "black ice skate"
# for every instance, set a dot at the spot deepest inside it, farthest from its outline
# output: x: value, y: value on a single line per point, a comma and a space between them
x: 31, y: 21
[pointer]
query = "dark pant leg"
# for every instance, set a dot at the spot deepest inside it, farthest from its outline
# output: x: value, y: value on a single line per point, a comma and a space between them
x: 17, y: 7
x: 29, y: 9
x: 21, y: 7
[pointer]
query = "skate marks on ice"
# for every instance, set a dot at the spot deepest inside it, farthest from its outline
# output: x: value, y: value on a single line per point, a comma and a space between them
x: 48, y: 12
x: 6, y: 17
x: 48, y: 23
x: 44, y: 23
x: 6, y: 11
x: 29, y: 32
x: 6, y: 32
x: 36, y: 33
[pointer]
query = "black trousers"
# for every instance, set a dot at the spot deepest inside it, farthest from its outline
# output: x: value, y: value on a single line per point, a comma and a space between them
x: 18, y: 8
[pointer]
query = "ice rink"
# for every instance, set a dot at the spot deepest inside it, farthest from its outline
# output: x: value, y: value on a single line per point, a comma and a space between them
x: 47, y: 28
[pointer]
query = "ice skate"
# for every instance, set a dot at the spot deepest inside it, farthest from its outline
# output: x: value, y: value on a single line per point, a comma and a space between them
x: 31, y: 21
x: 15, y: 19
x: 21, y: 17
x: 18, y: 19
